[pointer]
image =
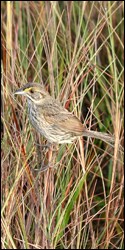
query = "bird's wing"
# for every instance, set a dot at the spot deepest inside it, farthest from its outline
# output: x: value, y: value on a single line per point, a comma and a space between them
x: 57, y: 116
x: 72, y: 124
x: 66, y: 121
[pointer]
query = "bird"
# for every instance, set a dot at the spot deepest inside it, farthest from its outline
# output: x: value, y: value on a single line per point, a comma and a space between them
x: 52, y: 120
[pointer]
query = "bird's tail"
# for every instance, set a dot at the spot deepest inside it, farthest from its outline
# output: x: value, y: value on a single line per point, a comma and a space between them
x: 98, y: 135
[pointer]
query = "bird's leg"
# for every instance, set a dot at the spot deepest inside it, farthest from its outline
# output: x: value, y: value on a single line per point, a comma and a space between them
x: 51, y: 154
x: 43, y: 145
x: 48, y: 145
x: 53, y: 147
x: 43, y: 167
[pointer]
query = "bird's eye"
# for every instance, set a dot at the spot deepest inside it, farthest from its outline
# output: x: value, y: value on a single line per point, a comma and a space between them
x: 31, y: 91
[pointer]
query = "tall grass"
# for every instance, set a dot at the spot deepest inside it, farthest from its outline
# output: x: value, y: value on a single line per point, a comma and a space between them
x: 76, y: 50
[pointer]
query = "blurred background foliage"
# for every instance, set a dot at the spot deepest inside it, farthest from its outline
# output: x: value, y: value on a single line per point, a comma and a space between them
x: 75, y: 49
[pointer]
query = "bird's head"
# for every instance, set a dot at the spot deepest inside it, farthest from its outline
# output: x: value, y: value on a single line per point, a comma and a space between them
x: 33, y: 91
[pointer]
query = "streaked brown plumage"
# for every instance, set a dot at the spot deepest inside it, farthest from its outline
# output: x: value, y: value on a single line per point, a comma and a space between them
x: 52, y: 120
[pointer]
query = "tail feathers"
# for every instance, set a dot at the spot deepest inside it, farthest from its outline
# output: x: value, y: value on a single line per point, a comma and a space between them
x: 98, y: 135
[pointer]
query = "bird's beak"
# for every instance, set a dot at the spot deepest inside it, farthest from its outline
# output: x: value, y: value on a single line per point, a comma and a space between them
x: 19, y: 92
